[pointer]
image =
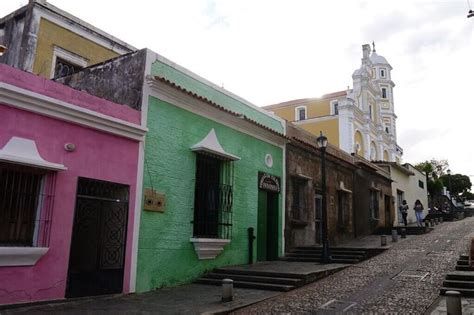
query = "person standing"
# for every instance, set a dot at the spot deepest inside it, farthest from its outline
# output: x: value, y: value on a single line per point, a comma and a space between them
x: 404, y: 211
x: 418, y: 212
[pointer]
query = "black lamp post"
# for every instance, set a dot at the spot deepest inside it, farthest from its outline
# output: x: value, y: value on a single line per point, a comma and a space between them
x: 449, y: 184
x: 322, y: 143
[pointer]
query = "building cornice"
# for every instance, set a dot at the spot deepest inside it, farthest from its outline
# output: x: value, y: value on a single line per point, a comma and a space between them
x: 180, y: 98
x: 16, y: 97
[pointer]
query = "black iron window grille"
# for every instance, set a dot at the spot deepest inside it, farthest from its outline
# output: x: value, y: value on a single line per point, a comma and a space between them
x: 374, y: 204
x: 213, y: 198
x: 342, y: 208
x: 26, y: 205
x: 64, y: 68
x: 298, y: 206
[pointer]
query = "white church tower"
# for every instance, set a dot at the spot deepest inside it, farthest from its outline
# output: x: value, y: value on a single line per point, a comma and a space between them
x: 367, y: 116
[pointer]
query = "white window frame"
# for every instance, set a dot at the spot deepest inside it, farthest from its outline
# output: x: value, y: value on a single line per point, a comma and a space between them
x: 333, y: 107
x: 297, y: 112
x: 383, y: 73
x: 68, y: 56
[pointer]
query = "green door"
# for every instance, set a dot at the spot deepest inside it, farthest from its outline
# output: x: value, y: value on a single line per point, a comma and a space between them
x: 267, y: 226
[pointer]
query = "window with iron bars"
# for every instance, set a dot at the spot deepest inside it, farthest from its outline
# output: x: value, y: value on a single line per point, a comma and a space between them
x: 213, y: 197
x: 64, y: 68
x: 374, y: 204
x: 298, y: 206
x: 342, y: 208
x: 26, y: 203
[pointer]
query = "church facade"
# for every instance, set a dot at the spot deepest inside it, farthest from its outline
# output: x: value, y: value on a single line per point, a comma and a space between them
x: 360, y: 120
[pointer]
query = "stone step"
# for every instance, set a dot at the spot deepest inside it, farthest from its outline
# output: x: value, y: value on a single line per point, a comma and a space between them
x: 464, y: 268
x: 271, y: 274
x: 333, y: 251
x: 311, y: 255
x: 463, y: 262
x: 250, y: 285
x: 458, y: 284
x: 333, y: 260
x: 259, y: 279
x: 464, y: 292
x: 463, y: 257
x: 460, y: 275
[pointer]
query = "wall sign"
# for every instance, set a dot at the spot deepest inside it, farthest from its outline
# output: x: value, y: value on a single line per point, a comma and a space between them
x: 269, y: 182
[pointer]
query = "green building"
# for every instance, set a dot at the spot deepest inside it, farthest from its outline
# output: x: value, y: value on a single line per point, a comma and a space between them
x: 213, y: 167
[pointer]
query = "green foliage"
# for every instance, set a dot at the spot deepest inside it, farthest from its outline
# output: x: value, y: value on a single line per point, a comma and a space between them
x: 457, y: 184
x: 434, y: 168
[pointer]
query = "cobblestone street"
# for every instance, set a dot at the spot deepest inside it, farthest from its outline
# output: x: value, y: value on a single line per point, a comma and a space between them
x: 404, y: 280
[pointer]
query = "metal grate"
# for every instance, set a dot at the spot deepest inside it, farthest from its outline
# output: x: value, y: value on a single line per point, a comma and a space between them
x: 64, y: 68
x: 442, y: 253
x: 338, y: 305
x: 213, y: 198
x: 26, y: 205
x: 418, y: 275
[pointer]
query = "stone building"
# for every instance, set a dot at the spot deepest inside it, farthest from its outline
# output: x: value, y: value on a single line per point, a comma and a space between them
x: 373, y: 198
x: 304, y: 194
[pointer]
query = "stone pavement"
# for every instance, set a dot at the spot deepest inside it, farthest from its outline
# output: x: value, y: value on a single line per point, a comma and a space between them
x: 439, y: 307
x: 405, y: 279
x: 205, y: 299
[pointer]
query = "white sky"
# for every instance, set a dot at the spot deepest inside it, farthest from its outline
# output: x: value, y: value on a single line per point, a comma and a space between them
x: 273, y: 51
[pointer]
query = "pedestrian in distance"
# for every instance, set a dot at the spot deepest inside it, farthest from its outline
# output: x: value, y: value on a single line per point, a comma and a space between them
x: 418, y: 212
x: 404, y: 211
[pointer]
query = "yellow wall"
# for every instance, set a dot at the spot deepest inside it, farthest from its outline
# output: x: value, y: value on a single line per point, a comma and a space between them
x: 330, y: 129
x: 316, y: 108
x: 51, y: 34
x: 358, y: 139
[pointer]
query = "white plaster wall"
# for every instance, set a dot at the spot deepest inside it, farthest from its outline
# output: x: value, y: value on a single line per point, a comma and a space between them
x: 409, y: 185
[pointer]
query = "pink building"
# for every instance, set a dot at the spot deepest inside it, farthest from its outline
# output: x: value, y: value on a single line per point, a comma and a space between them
x: 68, y: 187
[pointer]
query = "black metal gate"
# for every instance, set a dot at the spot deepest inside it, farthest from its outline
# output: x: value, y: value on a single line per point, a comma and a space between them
x: 96, y: 262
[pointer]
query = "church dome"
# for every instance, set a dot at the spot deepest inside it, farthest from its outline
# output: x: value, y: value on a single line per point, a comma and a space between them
x: 377, y: 59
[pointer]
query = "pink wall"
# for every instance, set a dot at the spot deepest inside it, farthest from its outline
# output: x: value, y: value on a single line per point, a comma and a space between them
x: 98, y: 155
x: 58, y: 91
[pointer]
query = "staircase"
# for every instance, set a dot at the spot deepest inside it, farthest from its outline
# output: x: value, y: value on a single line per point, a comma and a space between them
x: 339, y: 255
x: 254, y: 279
x: 461, y: 280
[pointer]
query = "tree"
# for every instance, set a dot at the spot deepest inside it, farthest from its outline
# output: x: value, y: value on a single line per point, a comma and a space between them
x: 458, y: 184
x: 434, y: 169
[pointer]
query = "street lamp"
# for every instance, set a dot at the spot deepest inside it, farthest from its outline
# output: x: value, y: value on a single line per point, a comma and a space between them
x: 449, y: 185
x: 322, y: 142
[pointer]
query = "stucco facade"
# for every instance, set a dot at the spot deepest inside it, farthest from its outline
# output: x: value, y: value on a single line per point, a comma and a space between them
x: 102, y: 136
x: 360, y: 120
x: 408, y: 184
x: 183, y: 112
x: 45, y: 40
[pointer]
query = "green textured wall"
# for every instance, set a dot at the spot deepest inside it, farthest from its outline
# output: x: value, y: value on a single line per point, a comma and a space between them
x: 191, y: 84
x: 166, y: 257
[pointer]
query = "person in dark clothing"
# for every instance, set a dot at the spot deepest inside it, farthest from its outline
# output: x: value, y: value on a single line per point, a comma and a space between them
x: 404, y: 211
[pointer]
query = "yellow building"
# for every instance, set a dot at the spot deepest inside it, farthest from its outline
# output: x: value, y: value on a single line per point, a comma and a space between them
x: 360, y: 120
x: 45, y: 40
